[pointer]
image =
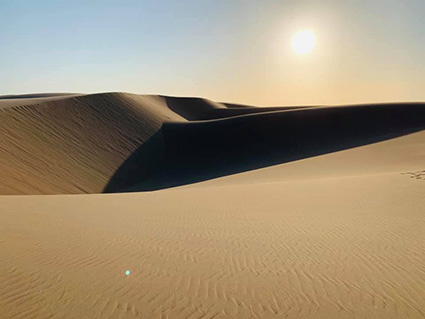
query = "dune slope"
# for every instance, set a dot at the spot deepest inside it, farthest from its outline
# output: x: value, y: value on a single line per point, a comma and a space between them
x: 202, y: 150
x: 116, y: 142
x: 74, y: 145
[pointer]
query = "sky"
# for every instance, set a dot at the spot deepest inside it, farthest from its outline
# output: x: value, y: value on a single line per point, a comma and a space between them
x: 226, y: 50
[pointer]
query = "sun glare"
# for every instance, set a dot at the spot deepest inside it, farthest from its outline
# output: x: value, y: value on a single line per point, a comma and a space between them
x: 303, y: 42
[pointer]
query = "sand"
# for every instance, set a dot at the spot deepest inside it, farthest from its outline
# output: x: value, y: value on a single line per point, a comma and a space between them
x: 73, y: 145
x: 333, y: 234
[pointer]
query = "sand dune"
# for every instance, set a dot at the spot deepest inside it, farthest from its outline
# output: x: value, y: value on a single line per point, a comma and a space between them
x: 74, y: 145
x: 314, y: 212
x: 197, y: 109
x: 70, y: 143
x: 402, y: 154
x: 118, y: 142
x: 202, y: 150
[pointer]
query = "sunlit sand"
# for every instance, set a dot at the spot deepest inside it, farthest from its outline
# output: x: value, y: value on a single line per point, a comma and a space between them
x: 285, y: 212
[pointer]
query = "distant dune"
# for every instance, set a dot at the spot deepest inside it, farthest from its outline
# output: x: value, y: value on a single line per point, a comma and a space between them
x: 112, y: 142
x: 312, y: 212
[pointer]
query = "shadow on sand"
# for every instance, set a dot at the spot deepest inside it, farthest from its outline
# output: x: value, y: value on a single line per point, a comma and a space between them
x: 190, y: 152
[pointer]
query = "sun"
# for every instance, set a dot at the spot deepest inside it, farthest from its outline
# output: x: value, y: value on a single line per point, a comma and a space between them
x: 303, y: 42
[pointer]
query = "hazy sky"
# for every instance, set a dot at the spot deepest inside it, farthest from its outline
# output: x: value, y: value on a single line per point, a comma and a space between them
x: 225, y: 50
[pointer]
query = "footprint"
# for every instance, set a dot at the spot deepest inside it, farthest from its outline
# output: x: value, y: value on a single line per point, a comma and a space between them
x: 416, y: 175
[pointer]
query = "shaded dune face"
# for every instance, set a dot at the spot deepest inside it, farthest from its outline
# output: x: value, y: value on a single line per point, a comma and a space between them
x: 200, y: 150
x: 116, y: 142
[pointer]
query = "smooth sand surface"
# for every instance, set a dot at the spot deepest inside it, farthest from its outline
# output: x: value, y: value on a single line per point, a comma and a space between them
x: 326, y: 248
x: 340, y: 234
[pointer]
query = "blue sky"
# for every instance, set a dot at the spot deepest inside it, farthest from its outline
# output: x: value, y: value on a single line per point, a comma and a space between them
x: 233, y: 50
